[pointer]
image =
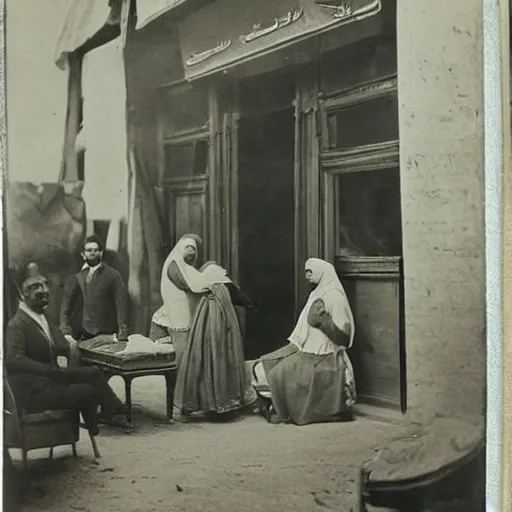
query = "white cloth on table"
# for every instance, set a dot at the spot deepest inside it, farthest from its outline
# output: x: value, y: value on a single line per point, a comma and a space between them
x: 138, y: 344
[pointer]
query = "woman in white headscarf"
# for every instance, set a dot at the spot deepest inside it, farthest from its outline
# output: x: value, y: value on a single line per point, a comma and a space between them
x: 311, y: 379
x: 181, y: 287
x: 212, y: 379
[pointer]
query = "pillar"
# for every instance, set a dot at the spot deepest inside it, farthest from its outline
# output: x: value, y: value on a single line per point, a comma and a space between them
x: 440, y: 88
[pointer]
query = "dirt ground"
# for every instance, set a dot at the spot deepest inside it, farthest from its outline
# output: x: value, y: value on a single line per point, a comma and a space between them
x: 247, y: 464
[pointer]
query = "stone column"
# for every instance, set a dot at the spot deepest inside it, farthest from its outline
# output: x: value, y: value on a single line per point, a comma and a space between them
x: 440, y: 87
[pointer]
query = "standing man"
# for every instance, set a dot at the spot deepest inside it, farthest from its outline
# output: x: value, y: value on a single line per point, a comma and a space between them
x: 99, y: 292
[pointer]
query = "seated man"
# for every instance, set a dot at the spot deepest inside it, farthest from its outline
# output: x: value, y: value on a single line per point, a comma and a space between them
x: 37, y: 356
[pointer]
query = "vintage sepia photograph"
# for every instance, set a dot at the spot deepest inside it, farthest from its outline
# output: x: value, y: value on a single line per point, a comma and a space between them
x: 244, y: 256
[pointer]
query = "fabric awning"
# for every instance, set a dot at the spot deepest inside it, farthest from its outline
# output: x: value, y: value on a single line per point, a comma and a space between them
x: 84, y: 21
x: 150, y: 10
x: 228, y: 32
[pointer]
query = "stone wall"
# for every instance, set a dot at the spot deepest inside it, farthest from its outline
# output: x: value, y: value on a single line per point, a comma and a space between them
x: 440, y: 87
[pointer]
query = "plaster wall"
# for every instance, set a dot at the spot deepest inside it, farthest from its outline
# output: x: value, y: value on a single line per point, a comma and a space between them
x: 440, y: 87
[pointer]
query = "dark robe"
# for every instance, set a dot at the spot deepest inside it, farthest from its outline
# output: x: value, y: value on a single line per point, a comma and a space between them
x: 212, y: 377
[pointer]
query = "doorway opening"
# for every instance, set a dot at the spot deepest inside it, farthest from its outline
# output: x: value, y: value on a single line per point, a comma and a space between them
x: 266, y: 228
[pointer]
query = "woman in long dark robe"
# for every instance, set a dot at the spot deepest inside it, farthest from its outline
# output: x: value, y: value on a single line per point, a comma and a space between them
x: 212, y: 378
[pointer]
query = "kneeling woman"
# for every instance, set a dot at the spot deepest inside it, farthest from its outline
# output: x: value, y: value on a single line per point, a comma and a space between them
x: 311, y: 379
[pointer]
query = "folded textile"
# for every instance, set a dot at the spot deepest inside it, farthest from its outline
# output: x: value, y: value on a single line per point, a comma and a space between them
x: 138, y: 344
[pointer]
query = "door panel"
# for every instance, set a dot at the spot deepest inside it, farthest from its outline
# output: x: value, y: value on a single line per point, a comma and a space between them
x: 189, y: 214
x: 187, y: 206
x: 376, y: 348
x: 373, y: 289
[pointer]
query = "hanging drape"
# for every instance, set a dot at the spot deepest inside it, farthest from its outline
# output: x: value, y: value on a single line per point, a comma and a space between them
x: 88, y: 24
x: 103, y: 133
x: 148, y: 242
x: 86, y: 21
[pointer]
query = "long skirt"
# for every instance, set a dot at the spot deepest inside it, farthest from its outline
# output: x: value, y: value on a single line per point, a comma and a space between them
x: 306, y: 388
x: 212, y: 376
x: 178, y: 339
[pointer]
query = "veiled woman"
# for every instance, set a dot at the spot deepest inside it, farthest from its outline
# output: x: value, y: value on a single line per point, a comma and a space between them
x: 181, y: 287
x: 311, y: 379
x: 212, y: 378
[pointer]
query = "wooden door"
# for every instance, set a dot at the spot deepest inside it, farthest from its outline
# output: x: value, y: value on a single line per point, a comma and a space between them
x: 187, y: 163
x: 374, y: 292
x: 187, y: 204
x: 224, y: 118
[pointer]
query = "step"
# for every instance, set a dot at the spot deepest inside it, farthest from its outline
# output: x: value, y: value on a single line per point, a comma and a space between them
x: 376, y: 413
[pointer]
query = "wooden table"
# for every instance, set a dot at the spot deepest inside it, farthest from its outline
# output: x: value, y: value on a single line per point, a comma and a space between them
x: 132, y: 370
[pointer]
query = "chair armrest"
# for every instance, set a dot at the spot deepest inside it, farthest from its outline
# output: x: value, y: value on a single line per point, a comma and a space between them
x: 10, y: 404
x: 49, y: 416
x: 11, y: 410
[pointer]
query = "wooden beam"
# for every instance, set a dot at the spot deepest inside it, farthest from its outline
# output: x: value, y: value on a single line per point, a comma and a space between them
x: 214, y: 172
x: 307, y: 176
x: 234, y: 204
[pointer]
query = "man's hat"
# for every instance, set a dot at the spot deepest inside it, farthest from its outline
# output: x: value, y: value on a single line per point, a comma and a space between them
x: 32, y: 271
x: 24, y: 275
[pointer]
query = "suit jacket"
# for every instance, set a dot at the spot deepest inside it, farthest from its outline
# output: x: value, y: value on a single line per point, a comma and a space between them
x: 103, y: 303
x: 30, y: 359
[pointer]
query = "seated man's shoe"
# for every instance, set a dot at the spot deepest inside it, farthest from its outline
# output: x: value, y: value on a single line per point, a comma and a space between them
x: 116, y: 421
x: 89, y: 416
x: 120, y: 422
x: 93, y: 429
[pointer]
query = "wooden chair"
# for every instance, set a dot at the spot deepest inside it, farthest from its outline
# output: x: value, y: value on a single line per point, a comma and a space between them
x: 28, y: 431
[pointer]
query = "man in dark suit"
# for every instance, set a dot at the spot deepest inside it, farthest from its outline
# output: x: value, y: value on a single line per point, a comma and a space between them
x: 37, y: 357
x: 97, y: 293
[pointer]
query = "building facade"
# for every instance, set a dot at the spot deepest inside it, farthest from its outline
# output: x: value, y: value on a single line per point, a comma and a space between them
x: 350, y: 131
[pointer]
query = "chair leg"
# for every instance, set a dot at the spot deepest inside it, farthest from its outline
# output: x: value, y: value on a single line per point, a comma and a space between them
x: 128, y: 397
x: 75, y: 454
x: 95, y: 450
x: 25, y: 461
